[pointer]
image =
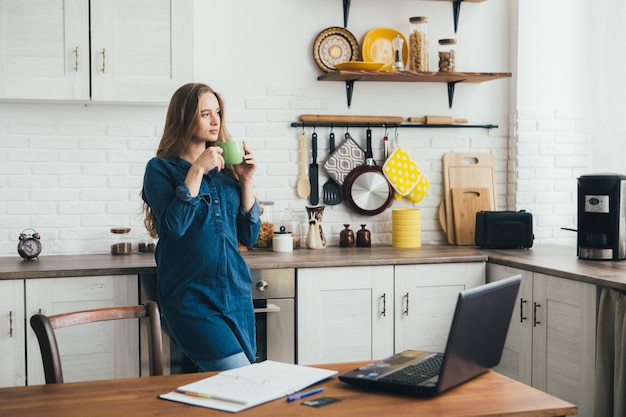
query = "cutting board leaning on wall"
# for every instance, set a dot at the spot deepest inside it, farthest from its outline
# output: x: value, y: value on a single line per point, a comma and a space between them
x: 472, y: 177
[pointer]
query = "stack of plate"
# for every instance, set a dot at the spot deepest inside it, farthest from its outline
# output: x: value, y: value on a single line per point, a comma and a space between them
x: 406, y: 228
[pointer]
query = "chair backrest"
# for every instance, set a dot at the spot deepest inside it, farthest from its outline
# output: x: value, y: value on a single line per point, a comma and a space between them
x: 44, y: 329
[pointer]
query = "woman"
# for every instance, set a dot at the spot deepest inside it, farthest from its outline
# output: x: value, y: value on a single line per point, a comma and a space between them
x: 201, y: 209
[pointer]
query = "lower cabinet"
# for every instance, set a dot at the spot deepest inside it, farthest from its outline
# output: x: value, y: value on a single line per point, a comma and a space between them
x: 551, y: 340
x: 88, y: 352
x: 364, y: 313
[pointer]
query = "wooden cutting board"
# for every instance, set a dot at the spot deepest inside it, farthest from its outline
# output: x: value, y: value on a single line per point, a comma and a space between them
x: 466, y: 170
x: 466, y: 202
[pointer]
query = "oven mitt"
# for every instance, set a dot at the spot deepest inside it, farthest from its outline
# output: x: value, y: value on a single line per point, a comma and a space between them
x: 420, y: 190
x: 347, y: 156
x: 401, y: 171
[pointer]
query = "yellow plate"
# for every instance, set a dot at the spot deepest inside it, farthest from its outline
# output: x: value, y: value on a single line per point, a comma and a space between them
x: 377, y: 47
x: 359, y: 65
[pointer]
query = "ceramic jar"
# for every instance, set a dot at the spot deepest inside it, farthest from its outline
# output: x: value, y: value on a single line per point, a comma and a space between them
x: 346, y: 237
x: 363, y: 238
x: 315, y: 238
x: 282, y: 241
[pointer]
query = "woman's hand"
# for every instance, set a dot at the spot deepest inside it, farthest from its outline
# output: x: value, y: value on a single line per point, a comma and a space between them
x: 246, y: 169
x: 209, y: 159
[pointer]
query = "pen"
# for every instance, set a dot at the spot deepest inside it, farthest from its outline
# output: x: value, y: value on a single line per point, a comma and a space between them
x: 208, y: 396
x: 304, y: 394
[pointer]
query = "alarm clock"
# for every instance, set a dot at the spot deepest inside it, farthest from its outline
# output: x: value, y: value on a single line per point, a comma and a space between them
x: 29, y: 246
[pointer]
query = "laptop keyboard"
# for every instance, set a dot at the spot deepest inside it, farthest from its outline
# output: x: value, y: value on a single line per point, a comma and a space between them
x: 417, y: 373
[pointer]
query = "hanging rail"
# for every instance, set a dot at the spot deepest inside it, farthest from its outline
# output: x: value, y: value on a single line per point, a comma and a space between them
x: 388, y: 125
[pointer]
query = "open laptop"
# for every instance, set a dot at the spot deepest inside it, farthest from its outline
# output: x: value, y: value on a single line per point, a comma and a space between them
x: 475, y: 343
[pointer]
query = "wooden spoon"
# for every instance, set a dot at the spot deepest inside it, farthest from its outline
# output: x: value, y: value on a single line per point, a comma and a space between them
x: 303, y: 188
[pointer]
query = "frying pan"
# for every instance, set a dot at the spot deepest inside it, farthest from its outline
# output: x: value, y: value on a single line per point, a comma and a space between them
x: 366, y: 190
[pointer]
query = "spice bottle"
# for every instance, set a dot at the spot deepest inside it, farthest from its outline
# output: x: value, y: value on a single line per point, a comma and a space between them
x: 447, y: 55
x: 398, y: 43
x: 346, y: 237
x: 363, y: 238
x: 120, y: 241
x: 418, y: 44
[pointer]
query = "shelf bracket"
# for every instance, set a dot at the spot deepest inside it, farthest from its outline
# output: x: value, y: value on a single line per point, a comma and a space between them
x: 456, y: 10
x: 346, y: 12
x: 451, y: 85
x: 349, y: 90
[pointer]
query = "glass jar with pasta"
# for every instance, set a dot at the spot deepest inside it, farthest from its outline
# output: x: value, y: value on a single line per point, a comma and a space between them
x: 267, y: 225
x: 418, y: 44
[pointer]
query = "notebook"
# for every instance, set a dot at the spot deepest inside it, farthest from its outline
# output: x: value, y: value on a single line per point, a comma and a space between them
x: 475, y: 343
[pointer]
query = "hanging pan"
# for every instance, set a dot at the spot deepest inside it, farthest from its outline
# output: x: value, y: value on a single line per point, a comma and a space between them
x: 366, y: 190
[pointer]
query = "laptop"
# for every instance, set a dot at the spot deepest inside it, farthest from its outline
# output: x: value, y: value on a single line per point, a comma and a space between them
x: 475, y: 342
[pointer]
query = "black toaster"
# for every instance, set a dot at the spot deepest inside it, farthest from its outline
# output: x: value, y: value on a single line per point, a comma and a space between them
x: 504, y: 229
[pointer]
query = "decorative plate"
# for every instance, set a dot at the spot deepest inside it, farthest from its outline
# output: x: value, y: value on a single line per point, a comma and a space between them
x: 333, y: 46
x: 359, y: 65
x: 377, y: 47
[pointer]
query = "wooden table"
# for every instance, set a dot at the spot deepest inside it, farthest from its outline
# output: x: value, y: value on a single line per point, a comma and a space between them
x: 490, y: 394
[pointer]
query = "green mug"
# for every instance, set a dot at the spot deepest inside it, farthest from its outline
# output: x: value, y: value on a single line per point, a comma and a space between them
x: 232, y: 152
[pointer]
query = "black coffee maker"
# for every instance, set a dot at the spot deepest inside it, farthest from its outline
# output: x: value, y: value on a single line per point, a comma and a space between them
x: 602, y: 216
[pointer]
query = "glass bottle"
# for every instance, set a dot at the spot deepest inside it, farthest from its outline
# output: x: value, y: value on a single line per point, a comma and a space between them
x: 120, y: 241
x: 447, y: 55
x: 418, y: 44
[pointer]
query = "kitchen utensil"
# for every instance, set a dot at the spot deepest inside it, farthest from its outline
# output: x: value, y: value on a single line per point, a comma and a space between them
x: 420, y: 190
x: 366, y: 189
x: 329, y: 118
x: 334, y: 45
x: 377, y: 47
x: 436, y: 120
x: 466, y: 170
x: 331, y: 191
x: 303, y: 188
x: 346, y: 157
x: 313, y: 172
x: 401, y: 171
x: 466, y: 202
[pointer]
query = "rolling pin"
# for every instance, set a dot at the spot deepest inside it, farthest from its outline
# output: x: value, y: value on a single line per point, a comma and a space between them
x: 323, y: 118
x: 436, y: 120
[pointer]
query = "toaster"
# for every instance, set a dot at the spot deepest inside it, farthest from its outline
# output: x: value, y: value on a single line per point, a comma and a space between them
x: 504, y: 229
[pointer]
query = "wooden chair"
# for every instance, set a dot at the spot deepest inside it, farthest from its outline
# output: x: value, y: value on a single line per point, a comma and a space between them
x: 44, y: 329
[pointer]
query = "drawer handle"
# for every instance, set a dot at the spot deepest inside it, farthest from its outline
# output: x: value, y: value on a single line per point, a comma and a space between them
x: 535, y: 321
x: 10, y: 323
x: 406, y: 308
x: 76, y: 59
x: 522, y: 317
x: 271, y: 308
x: 104, y: 59
x: 384, y: 312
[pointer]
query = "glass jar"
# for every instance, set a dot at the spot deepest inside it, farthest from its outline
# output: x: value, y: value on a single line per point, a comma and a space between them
x: 147, y: 244
x: 447, y: 55
x: 287, y: 220
x: 120, y: 241
x: 418, y: 44
x: 282, y: 240
x: 267, y: 225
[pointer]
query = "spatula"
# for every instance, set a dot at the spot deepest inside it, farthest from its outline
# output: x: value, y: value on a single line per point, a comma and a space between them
x: 331, y: 191
x: 303, y: 188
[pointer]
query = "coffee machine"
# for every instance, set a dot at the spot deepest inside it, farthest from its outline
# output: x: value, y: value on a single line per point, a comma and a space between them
x: 602, y: 216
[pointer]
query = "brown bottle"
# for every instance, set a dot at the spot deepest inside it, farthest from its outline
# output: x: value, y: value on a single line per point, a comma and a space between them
x: 363, y: 238
x: 346, y: 237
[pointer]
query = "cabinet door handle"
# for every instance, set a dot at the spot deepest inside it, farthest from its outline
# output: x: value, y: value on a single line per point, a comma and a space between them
x: 522, y: 317
x: 535, y: 321
x: 76, y: 59
x: 104, y: 59
x: 10, y: 323
x: 384, y: 312
x: 406, y: 305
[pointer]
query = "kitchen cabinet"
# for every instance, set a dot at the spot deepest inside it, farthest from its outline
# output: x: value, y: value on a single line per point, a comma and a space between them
x: 98, y: 50
x: 354, y: 313
x: 344, y: 314
x: 91, y: 351
x: 12, y: 334
x: 551, y: 340
x: 425, y: 298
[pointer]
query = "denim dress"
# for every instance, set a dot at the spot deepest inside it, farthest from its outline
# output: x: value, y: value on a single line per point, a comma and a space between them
x: 204, y: 285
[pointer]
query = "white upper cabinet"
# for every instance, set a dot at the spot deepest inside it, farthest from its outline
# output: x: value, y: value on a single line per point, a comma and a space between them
x: 135, y: 50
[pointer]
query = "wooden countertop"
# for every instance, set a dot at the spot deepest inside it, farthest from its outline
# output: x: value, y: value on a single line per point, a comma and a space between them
x: 557, y: 260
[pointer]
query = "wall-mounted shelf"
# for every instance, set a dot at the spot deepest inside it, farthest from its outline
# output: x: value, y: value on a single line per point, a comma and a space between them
x: 388, y: 125
x: 456, y: 10
x: 450, y: 78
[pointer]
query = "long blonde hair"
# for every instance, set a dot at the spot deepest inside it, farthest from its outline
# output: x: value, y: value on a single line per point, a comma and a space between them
x: 183, y: 115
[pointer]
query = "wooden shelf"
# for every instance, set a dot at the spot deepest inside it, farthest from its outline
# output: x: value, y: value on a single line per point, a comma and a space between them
x: 450, y: 78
